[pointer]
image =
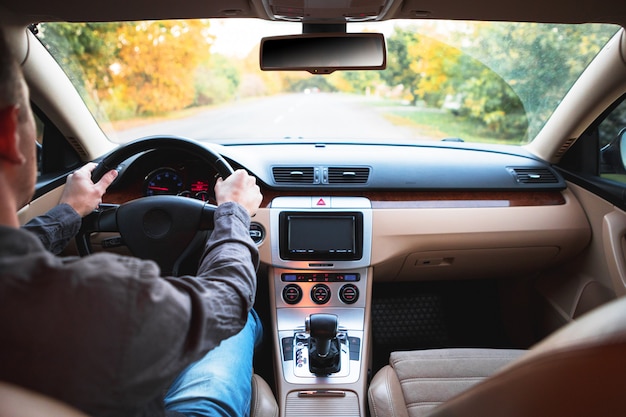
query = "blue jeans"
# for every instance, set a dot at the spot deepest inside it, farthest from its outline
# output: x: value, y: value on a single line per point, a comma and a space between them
x: 219, y: 384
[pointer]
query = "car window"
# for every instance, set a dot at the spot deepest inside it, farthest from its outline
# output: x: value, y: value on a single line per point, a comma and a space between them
x: 469, y: 81
x: 612, y: 143
x: 596, y: 160
x: 55, y: 154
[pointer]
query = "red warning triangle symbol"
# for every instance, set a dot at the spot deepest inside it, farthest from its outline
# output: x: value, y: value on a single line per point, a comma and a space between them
x: 321, y: 202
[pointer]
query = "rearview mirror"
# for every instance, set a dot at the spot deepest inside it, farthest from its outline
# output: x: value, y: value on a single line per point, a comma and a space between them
x: 323, y: 53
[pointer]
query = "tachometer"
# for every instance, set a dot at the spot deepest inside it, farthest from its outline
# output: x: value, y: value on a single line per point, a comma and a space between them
x: 163, y: 181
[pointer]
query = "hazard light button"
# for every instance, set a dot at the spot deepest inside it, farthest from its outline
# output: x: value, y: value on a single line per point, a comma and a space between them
x: 321, y: 202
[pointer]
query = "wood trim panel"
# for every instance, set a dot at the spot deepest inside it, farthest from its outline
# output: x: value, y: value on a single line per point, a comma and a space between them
x: 437, y: 199
x: 400, y: 199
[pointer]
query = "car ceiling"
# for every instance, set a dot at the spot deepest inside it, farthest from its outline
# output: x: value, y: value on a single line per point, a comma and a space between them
x: 320, y: 11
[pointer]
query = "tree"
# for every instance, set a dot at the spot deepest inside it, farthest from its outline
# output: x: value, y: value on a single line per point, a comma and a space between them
x: 525, y: 53
x: 132, y: 68
x: 359, y: 82
x: 434, y: 62
x: 158, y: 61
x: 216, y: 80
x: 86, y: 52
x: 399, y: 70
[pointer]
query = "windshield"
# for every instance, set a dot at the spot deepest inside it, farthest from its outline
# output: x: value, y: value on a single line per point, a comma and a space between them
x: 469, y: 81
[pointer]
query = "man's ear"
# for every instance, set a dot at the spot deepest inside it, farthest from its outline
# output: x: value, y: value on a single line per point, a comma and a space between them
x: 9, y: 138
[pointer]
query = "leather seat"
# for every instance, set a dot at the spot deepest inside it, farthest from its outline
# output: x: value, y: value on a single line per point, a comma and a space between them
x: 580, y: 370
x: 263, y: 403
x: 19, y: 402
x: 16, y: 401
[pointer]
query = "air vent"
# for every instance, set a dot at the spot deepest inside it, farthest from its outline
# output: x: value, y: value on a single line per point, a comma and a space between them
x: 78, y: 147
x: 348, y: 175
x: 534, y: 176
x: 565, y: 147
x: 293, y: 175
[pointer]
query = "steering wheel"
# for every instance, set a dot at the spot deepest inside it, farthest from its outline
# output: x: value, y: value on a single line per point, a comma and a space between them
x: 170, y: 230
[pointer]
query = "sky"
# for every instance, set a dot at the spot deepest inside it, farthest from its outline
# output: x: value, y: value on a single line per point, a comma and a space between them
x: 231, y: 39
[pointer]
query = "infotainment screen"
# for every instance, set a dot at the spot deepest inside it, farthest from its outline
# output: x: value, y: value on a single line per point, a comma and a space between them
x: 321, y: 236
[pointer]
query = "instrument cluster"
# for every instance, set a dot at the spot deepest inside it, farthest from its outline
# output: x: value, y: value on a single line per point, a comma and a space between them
x: 169, y: 181
x: 180, y: 176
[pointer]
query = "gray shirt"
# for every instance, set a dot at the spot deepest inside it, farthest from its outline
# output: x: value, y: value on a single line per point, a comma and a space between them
x: 55, y: 228
x: 106, y: 333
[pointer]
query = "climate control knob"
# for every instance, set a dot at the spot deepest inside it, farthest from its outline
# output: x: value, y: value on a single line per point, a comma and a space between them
x: 349, y: 294
x: 292, y: 294
x: 320, y: 294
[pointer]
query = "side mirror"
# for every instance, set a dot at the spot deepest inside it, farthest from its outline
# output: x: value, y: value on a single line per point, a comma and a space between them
x: 613, y: 155
x: 323, y: 53
x: 622, y: 147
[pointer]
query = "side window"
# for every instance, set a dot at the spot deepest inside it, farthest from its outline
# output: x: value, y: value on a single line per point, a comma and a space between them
x: 597, y: 160
x: 55, y: 155
x: 612, y: 141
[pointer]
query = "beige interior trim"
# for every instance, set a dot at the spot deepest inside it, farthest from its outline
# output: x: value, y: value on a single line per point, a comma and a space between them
x: 400, y: 232
x: 613, y: 235
x: 40, y: 205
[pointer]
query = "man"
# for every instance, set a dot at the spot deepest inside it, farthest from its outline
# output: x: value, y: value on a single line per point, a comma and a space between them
x: 106, y: 333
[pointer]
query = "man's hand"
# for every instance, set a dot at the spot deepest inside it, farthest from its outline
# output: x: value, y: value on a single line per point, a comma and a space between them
x: 81, y: 193
x: 240, y: 188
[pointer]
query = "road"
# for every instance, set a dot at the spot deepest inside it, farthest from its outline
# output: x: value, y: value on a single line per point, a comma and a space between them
x: 320, y: 116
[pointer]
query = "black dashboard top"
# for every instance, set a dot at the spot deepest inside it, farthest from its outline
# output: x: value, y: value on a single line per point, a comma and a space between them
x: 375, y: 166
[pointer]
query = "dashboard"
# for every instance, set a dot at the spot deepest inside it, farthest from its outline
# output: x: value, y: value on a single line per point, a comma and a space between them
x: 434, y: 211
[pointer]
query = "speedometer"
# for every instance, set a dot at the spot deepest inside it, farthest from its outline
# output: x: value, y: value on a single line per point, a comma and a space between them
x: 163, y: 181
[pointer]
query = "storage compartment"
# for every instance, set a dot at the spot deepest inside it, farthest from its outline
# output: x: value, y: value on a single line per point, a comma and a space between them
x: 467, y: 264
x: 319, y: 403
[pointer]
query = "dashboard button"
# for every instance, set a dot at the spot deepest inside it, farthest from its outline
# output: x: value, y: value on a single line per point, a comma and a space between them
x: 257, y: 233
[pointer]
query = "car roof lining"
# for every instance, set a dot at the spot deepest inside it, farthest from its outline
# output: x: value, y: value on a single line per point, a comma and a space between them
x: 556, y: 11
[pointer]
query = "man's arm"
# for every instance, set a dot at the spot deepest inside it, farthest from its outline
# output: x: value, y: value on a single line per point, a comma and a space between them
x: 80, y: 197
x: 176, y: 320
x: 55, y: 228
x: 227, y: 269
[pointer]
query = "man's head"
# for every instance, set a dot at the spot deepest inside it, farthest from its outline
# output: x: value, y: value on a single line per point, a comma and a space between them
x: 17, y: 130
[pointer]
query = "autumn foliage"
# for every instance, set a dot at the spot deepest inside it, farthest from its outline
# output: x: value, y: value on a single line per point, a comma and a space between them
x: 157, y: 62
x: 143, y: 68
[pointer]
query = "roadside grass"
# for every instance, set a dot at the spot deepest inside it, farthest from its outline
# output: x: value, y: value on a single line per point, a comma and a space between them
x: 438, y: 124
x: 621, y: 178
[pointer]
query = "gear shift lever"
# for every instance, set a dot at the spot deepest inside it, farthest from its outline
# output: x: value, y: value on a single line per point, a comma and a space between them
x: 324, y: 350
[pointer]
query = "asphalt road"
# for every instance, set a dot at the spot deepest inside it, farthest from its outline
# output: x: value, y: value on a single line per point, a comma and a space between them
x: 298, y: 116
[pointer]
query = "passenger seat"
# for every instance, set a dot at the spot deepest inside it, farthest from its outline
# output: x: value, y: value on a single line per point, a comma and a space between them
x: 580, y: 370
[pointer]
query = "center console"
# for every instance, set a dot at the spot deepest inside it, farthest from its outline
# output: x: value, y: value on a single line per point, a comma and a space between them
x: 320, y: 284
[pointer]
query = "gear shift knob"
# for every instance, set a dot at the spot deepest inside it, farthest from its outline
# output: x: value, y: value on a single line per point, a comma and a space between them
x: 324, y: 349
x: 323, y: 329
